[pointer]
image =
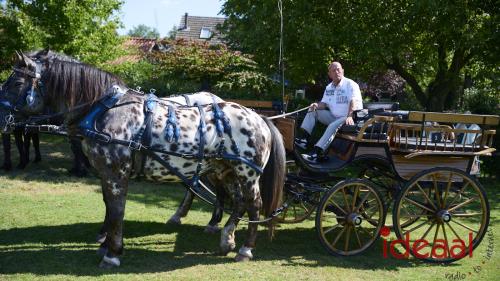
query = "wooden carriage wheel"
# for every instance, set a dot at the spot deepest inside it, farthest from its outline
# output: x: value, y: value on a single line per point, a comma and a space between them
x: 451, y: 208
x: 389, y: 189
x: 386, y: 187
x: 350, y: 217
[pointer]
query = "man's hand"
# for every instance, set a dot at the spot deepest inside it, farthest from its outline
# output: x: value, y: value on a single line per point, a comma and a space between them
x: 349, y: 121
x: 313, y: 106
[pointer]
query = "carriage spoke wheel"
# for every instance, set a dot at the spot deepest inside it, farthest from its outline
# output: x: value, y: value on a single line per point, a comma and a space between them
x: 452, y: 215
x: 301, y: 204
x: 349, y: 217
x: 388, y: 188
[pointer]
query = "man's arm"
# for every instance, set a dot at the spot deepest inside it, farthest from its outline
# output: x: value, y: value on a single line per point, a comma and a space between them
x: 355, y: 103
x: 350, y: 120
x: 318, y: 105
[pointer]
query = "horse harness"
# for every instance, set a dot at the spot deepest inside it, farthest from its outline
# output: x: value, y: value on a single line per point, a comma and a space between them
x: 142, y: 140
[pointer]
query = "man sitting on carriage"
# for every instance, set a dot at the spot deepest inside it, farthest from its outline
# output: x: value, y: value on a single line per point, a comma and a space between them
x: 341, y: 98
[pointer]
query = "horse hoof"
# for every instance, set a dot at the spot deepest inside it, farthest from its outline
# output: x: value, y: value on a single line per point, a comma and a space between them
x: 102, y: 251
x: 212, y: 229
x: 241, y: 258
x: 174, y: 220
x: 108, y: 263
x: 224, y: 250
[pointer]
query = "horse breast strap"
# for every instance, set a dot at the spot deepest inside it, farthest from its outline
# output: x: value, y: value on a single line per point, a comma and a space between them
x: 87, y: 125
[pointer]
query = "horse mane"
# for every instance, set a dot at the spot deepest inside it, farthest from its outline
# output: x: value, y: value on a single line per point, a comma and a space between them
x: 76, y: 83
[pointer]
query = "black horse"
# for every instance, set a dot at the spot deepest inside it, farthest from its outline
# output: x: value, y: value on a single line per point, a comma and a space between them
x: 22, y: 140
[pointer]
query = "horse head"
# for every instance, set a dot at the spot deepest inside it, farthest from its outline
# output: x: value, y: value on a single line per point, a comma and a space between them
x: 21, y: 95
x: 46, y: 81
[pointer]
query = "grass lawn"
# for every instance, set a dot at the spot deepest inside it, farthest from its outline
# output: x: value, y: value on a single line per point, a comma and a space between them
x: 48, y: 224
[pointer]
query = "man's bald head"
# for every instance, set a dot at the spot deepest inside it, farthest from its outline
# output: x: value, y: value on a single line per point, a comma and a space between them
x: 335, y: 72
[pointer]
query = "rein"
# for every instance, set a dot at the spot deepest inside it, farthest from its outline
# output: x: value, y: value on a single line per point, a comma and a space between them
x: 287, y: 114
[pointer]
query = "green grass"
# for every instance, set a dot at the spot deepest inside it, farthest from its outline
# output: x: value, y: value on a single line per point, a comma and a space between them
x: 48, y: 224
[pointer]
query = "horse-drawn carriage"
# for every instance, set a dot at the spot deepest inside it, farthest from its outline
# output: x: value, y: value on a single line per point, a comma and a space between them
x: 411, y: 166
x: 414, y: 165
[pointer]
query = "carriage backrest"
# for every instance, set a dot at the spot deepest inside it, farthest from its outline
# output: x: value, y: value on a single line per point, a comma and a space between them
x: 451, y: 118
x: 371, y: 106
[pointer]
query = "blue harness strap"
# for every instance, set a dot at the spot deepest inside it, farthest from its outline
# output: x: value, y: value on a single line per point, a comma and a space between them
x: 87, y: 125
x: 202, y: 129
x: 172, y: 130
x: 222, y: 126
x: 6, y: 104
x: 144, y: 135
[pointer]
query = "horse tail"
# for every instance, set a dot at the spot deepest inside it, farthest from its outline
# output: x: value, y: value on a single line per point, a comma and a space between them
x: 273, y: 177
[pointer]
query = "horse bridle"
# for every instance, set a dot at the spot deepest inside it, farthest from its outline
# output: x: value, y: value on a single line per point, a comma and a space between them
x: 26, y: 99
x: 36, y: 84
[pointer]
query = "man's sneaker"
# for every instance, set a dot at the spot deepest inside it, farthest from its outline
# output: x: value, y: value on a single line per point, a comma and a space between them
x: 315, y: 157
x: 301, y: 143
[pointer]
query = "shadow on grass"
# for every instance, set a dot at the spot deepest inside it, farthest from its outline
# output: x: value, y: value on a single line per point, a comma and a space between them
x: 70, y: 249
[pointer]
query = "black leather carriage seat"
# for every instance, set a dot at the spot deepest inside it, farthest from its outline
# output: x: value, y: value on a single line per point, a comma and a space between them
x: 379, y: 130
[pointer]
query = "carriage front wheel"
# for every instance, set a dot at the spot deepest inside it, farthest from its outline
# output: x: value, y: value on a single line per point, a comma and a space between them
x: 349, y: 217
x: 452, y: 211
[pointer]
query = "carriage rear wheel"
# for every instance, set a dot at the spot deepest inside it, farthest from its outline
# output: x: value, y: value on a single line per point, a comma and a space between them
x: 387, y: 187
x: 452, y: 215
x: 349, y: 217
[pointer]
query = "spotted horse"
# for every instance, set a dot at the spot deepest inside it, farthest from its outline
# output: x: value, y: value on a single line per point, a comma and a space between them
x: 102, y: 81
x: 245, y: 150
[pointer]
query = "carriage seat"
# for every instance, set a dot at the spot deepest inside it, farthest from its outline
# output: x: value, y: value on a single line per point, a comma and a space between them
x: 378, y: 130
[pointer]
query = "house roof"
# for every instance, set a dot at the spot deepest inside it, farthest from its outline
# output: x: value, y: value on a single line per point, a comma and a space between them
x: 143, y: 44
x: 191, y: 27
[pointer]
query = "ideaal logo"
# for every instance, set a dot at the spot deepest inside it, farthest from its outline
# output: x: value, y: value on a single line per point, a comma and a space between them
x: 440, y: 249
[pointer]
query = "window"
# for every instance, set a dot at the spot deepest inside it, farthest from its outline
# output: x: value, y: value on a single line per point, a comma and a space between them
x: 205, y: 33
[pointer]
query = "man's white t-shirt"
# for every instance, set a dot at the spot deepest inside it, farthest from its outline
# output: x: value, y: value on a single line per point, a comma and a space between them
x: 338, y: 98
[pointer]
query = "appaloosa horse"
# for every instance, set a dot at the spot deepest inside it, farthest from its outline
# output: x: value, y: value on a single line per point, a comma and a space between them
x: 234, y: 144
x: 81, y: 164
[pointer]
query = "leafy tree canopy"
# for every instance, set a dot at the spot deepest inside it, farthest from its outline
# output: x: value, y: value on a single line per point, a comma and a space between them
x: 144, y: 31
x: 185, y: 67
x: 429, y: 43
x: 84, y: 29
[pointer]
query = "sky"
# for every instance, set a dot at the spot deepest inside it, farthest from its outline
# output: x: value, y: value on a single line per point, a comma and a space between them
x: 164, y: 14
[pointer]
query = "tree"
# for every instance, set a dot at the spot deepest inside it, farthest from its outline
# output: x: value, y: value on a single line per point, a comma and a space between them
x: 173, y: 32
x: 429, y: 43
x: 144, y: 31
x: 188, y: 66
x: 85, y: 29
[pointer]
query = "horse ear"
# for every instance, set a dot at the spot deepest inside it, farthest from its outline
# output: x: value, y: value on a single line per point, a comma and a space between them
x: 19, y: 57
x: 46, y: 52
x: 26, y: 60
